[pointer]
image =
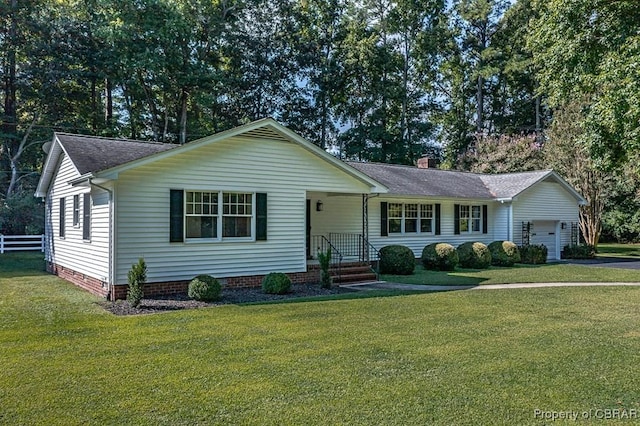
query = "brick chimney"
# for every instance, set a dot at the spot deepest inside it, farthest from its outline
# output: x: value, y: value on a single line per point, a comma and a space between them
x: 426, y: 163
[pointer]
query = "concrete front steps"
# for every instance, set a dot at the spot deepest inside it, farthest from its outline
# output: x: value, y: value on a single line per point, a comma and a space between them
x: 353, y: 273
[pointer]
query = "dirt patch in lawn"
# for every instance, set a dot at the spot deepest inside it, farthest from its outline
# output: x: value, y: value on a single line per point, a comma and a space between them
x: 229, y: 296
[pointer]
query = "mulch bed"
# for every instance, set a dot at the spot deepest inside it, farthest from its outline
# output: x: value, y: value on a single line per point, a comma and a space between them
x: 229, y: 296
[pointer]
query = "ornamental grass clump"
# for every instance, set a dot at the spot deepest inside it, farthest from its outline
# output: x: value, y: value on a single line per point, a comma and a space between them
x: 397, y: 260
x: 440, y: 257
x: 276, y: 283
x: 474, y: 255
x: 204, y: 288
x: 504, y: 253
x: 136, y: 276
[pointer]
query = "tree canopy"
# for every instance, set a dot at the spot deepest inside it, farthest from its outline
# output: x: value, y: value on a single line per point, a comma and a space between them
x: 475, y: 82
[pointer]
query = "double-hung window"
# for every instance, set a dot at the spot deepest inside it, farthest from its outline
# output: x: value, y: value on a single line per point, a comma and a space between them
x: 237, y: 211
x: 470, y: 218
x: 426, y: 218
x: 476, y: 218
x: 76, y: 210
x: 201, y: 212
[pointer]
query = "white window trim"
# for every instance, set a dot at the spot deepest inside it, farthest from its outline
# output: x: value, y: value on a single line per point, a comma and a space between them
x: 470, y: 219
x: 419, y: 220
x: 76, y: 211
x: 220, y: 218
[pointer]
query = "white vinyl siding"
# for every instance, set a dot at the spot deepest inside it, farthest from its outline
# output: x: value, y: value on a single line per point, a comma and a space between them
x: 545, y: 202
x: 284, y: 171
x: 416, y: 242
x: 90, y: 258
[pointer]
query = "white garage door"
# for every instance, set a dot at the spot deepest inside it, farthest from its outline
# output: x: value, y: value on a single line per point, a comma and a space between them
x: 544, y: 232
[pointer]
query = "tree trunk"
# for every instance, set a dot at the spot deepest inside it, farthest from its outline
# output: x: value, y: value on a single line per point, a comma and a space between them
x: 108, y: 100
x: 184, y: 97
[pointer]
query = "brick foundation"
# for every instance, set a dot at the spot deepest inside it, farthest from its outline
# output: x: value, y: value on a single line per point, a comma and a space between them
x: 100, y: 288
x: 91, y: 284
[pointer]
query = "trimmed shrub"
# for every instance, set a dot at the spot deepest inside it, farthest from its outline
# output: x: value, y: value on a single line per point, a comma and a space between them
x: 474, y: 255
x: 276, y: 283
x: 440, y: 256
x: 136, y: 276
x: 397, y: 259
x: 533, y: 254
x: 504, y: 253
x: 205, y: 288
x: 582, y: 251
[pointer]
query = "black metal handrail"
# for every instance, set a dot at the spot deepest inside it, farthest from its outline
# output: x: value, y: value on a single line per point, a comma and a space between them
x: 344, y: 246
x: 322, y: 244
x: 372, y: 256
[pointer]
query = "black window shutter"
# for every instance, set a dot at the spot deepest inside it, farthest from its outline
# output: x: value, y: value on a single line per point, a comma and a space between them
x: 176, y: 216
x: 485, y: 219
x: 261, y: 216
x: 437, y: 219
x: 62, y: 218
x: 384, y: 215
x: 456, y: 219
x: 86, y: 216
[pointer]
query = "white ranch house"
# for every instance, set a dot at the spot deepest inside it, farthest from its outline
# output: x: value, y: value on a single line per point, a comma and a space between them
x: 260, y: 198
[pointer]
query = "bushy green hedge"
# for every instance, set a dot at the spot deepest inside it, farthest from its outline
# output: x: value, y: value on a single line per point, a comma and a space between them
x: 533, y: 254
x: 504, y: 253
x: 397, y: 259
x: 582, y: 251
x: 474, y: 255
x: 440, y: 256
x: 205, y: 288
x: 276, y: 283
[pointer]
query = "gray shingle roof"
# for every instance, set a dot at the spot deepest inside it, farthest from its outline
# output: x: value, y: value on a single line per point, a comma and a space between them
x: 508, y: 185
x: 407, y: 180
x: 412, y: 181
x: 92, y: 154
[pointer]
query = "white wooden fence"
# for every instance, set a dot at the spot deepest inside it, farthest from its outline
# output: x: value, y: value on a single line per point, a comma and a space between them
x: 21, y: 243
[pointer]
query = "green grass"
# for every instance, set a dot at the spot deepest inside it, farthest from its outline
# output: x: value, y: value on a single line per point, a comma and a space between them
x: 547, y: 273
x: 464, y: 358
x: 619, y: 250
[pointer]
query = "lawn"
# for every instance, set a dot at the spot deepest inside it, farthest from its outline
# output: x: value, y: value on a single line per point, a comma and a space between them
x: 619, y: 250
x: 476, y: 358
x: 552, y: 272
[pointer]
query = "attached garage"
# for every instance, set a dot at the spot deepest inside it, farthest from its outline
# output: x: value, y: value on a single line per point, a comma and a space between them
x: 546, y: 232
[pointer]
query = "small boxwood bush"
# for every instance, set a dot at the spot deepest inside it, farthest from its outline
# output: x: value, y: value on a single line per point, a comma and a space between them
x: 276, y: 283
x: 474, y: 255
x: 440, y: 256
x: 504, y: 253
x: 582, y: 251
x: 397, y: 259
x: 533, y: 254
x: 205, y: 288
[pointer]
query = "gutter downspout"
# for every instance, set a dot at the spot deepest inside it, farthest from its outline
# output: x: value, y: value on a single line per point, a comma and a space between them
x: 111, y: 277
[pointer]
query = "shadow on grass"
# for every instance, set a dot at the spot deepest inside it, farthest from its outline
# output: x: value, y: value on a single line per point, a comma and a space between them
x: 21, y: 264
x: 464, y: 277
x: 350, y: 295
